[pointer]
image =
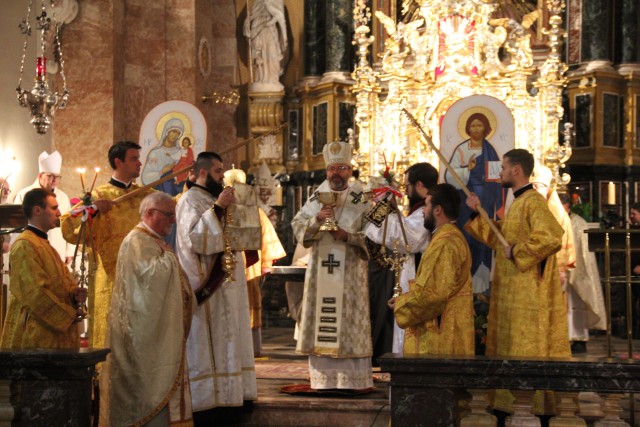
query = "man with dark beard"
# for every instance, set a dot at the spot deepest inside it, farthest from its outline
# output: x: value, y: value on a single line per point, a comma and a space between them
x: 385, y: 333
x: 437, y: 311
x: 220, y: 329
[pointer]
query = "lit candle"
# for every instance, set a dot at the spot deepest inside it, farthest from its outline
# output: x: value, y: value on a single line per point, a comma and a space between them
x: 41, y: 66
x: 94, y: 178
x: 278, y: 195
x: 81, y: 171
x: 611, y: 194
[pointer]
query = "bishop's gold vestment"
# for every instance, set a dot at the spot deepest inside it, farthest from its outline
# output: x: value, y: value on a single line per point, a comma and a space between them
x: 437, y: 312
x: 527, y: 313
x: 108, y: 232
x: 41, y: 314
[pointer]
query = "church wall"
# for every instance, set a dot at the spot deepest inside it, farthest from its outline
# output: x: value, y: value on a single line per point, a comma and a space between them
x: 17, y: 136
x: 127, y: 56
x: 91, y: 122
x: 216, y: 21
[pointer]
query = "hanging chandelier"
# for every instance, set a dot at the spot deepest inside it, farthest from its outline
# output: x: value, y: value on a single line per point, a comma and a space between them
x: 41, y: 100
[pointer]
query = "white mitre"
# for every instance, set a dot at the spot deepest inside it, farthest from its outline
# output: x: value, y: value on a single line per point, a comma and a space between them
x: 337, y: 153
x: 542, y: 175
x: 50, y: 163
x: 263, y: 176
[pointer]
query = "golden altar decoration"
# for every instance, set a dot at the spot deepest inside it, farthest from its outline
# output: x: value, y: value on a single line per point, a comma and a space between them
x: 447, y: 50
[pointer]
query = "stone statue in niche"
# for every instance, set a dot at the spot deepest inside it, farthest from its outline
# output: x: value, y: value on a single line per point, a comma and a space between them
x: 266, y: 29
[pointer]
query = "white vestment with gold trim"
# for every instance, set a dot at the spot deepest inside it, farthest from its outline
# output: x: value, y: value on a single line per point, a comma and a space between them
x: 335, y: 329
x: 220, y: 346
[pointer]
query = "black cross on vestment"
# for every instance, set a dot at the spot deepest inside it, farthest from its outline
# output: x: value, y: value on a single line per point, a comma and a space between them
x: 357, y: 197
x: 331, y: 262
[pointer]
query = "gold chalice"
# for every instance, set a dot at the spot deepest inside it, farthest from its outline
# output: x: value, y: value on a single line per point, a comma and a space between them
x: 328, y: 199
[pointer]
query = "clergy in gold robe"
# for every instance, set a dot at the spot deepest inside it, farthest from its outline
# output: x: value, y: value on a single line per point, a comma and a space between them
x: 437, y: 312
x: 335, y: 329
x: 108, y: 229
x: 145, y: 377
x: 271, y: 250
x: 42, y: 313
x: 527, y: 313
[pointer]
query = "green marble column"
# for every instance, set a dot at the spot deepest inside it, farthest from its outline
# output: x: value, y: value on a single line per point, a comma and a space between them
x: 596, y: 33
x: 314, y: 38
x: 339, y: 26
x: 629, y: 21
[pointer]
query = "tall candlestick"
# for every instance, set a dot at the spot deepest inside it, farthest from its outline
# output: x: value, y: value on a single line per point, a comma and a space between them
x: 611, y: 193
x: 94, y: 178
x: 81, y: 171
x: 278, y: 195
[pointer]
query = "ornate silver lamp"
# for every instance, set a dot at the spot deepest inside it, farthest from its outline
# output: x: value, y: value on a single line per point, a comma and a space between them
x: 41, y: 100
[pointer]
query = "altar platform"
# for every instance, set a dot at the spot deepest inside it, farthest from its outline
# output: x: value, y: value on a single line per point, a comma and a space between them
x: 279, y: 366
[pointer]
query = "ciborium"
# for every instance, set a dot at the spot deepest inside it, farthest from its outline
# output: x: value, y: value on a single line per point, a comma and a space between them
x: 328, y: 199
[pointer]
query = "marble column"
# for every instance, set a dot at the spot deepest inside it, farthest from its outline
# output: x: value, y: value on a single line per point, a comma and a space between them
x: 597, y: 33
x: 630, y: 43
x: 314, y: 38
x: 339, y: 29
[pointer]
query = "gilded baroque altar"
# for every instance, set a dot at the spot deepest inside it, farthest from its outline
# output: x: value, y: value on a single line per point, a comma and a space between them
x: 446, y: 51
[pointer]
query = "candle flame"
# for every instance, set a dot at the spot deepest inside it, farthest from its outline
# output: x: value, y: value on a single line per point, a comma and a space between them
x: 81, y: 170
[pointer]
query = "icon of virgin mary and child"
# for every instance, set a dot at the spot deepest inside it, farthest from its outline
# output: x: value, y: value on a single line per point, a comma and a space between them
x: 173, y: 153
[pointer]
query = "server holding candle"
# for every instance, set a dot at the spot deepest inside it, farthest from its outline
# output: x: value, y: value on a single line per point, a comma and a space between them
x: 110, y: 225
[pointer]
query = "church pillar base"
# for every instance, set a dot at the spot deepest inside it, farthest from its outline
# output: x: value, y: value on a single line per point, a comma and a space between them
x: 612, y: 410
x: 522, y: 416
x: 479, y: 417
x: 265, y: 116
x: 567, y: 408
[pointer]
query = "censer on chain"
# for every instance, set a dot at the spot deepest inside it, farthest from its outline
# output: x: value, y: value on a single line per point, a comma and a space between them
x: 378, y: 216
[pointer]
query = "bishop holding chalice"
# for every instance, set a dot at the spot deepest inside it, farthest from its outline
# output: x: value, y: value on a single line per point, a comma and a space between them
x: 334, y: 323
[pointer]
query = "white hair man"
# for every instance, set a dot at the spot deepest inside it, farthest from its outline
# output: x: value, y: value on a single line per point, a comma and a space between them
x: 145, y: 377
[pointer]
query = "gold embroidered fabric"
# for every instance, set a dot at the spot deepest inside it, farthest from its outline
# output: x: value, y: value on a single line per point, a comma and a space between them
x: 41, y: 313
x: 109, y: 230
x: 437, y: 312
x: 527, y: 313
